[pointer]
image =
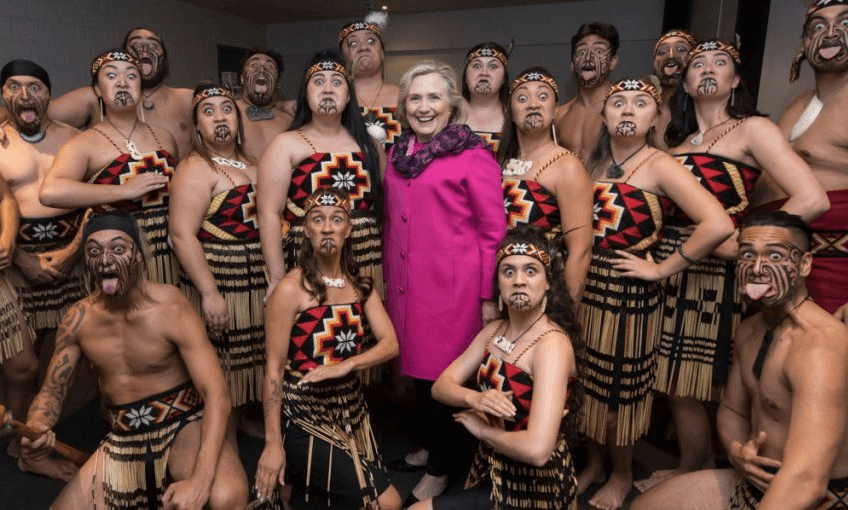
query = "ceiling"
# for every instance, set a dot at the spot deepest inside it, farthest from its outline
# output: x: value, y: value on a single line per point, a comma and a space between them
x: 281, y: 11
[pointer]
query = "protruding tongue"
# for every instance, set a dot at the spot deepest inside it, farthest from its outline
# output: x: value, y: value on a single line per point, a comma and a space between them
x: 670, y: 69
x: 588, y: 74
x: 756, y: 290
x: 829, y: 52
x: 261, y: 88
x: 110, y: 285
x: 28, y: 115
x: 146, y: 68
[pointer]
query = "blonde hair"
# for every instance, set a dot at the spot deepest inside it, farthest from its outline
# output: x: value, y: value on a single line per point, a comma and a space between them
x: 459, y: 107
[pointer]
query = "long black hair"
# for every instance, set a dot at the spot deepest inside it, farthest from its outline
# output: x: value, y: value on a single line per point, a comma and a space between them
x: 683, y: 121
x: 351, y: 119
x: 561, y: 311
x: 503, y: 92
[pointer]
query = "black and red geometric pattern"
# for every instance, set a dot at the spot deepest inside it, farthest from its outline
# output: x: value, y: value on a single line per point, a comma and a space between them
x: 626, y: 217
x: 491, y: 138
x: 385, y: 117
x: 731, y: 182
x: 124, y: 167
x: 326, y: 334
x: 495, y: 373
x: 529, y: 203
x: 231, y: 216
x: 51, y: 233
x: 342, y: 170
x: 156, y: 410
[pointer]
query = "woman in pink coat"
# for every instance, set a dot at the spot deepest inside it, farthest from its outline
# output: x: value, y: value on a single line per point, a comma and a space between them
x: 444, y: 219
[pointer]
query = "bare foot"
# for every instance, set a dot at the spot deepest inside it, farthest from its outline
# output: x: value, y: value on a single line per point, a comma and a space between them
x: 612, y: 495
x: 592, y: 474
x: 60, y: 469
x: 656, y: 478
x: 430, y: 486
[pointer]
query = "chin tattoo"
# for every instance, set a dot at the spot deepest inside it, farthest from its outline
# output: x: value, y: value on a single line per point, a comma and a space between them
x: 707, y: 87
x: 625, y: 128
x: 223, y: 133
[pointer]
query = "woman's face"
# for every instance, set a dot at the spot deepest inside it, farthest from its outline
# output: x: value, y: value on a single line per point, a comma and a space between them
x: 484, y: 76
x: 327, y: 227
x: 533, y: 106
x: 119, y: 84
x: 217, y: 121
x: 327, y: 93
x: 630, y: 113
x: 522, y: 282
x: 428, y: 107
x: 710, y: 74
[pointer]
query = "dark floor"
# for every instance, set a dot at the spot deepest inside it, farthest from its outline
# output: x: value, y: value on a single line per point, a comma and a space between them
x: 84, y: 429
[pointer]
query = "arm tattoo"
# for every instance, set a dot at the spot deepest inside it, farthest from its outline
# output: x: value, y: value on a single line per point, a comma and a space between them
x: 48, y: 402
x: 275, y: 397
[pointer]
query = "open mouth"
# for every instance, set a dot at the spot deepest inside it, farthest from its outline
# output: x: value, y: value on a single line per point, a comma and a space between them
x: 27, y: 115
x: 146, y: 64
x: 109, y: 282
x: 830, y: 52
x: 671, y: 68
x: 757, y: 291
x: 261, y: 85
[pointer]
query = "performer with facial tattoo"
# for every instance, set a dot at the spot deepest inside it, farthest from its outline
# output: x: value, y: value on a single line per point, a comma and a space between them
x: 263, y: 117
x: 361, y: 43
x: 635, y: 184
x: 215, y: 233
x: 669, y: 59
x: 121, y: 163
x: 545, y: 185
x: 716, y: 133
x: 47, y: 275
x: 158, y: 104
x: 782, y: 417
x: 814, y: 124
x: 318, y: 320
x: 525, y: 367
x: 593, y: 58
x: 165, y: 393
x: 485, y: 85
x: 326, y: 146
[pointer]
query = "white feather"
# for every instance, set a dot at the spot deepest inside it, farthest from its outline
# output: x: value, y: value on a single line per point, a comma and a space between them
x: 379, y: 18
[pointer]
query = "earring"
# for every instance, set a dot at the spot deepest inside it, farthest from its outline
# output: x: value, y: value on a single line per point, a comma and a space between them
x: 142, y: 114
x: 732, y: 98
x: 238, y: 137
x: 500, y: 303
x: 553, y: 132
x: 100, y: 106
x: 544, y: 303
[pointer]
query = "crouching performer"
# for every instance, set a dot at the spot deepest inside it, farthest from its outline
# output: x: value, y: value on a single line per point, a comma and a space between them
x: 167, y: 401
x: 316, y: 322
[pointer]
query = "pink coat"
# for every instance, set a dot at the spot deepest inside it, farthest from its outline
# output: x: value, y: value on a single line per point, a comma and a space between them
x: 440, y: 235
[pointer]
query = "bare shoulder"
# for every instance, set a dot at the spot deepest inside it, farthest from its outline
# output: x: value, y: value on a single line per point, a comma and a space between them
x: 180, y: 94
x: 799, y: 103
x: 288, y: 107
x: 63, y: 131
x: 563, y: 109
x: 168, y: 298
x: 757, y: 127
x: 194, y: 165
x: 820, y: 344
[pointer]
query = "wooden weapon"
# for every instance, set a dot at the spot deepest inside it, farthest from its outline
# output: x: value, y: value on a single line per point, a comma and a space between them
x: 8, y: 422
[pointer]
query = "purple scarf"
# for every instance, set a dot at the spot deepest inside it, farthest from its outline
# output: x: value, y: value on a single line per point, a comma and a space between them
x: 454, y: 139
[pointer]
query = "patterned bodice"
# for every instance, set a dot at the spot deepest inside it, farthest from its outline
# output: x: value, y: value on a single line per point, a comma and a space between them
x: 124, y: 167
x: 730, y: 181
x: 626, y: 217
x: 231, y: 216
x: 491, y: 138
x: 324, y: 335
x: 529, y: 203
x: 495, y: 373
x: 385, y: 117
x: 343, y: 170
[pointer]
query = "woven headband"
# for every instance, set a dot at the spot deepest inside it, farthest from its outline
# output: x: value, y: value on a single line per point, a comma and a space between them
x: 531, y: 250
x: 212, y: 91
x: 486, y: 52
x: 690, y: 39
x: 795, y: 68
x: 634, y: 85
x: 358, y: 25
x: 327, y: 65
x: 714, y: 45
x: 326, y: 196
x: 534, y: 76
x: 112, y: 56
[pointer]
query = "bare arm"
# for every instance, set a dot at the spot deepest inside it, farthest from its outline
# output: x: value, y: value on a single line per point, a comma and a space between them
x: 10, y: 221
x: 64, y: 187
x: 76, y: 107
x: 712, y: 224
x: 191, y: 194
x: 815, y: 370
x: 280, y: 312
x: 275, y: 169
x: 189, y: 336
x: 773, y: 154
x: 551, y: 363
x: 574, y: 198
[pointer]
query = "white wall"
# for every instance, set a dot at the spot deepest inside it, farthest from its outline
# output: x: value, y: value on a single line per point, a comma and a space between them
x: 542, y: 35
x: 782, y: 44
x: 65, y: 35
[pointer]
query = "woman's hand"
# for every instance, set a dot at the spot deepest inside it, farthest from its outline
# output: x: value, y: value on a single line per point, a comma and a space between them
x: 269, y: 471
x: 494, y: 402
x: 474, y: 421
x: 322, y: 372
x: 633, y: 266
x: 216, y: 312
